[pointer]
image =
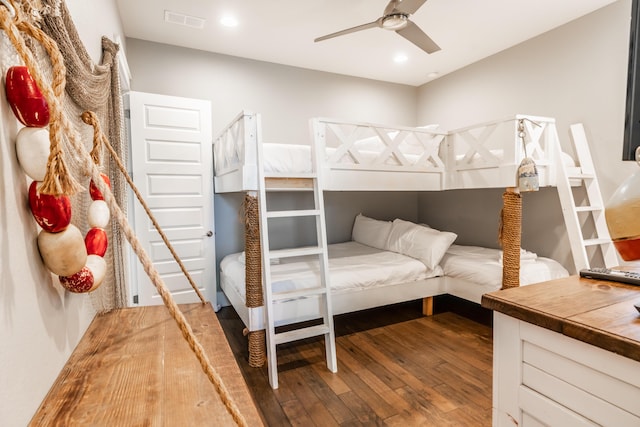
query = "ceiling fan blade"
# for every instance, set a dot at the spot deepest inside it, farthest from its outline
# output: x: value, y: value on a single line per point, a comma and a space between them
x: 373, y: 24
x: 407, y: 6
x: 416, y: 36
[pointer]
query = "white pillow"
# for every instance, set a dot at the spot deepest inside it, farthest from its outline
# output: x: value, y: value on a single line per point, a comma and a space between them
x: 371, y: 232
x: 425, y: 244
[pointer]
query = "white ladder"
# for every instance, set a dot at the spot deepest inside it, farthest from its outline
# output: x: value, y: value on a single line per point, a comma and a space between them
x: 289, y: 182
x: 585, y: 221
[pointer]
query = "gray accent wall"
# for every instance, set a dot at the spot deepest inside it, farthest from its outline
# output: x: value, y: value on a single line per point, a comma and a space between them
x: 576, y: 73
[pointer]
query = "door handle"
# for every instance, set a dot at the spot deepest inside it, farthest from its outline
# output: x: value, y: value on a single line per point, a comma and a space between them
x: 209, y: 233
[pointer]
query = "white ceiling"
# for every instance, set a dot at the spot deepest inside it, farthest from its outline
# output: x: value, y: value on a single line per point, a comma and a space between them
x: 282, y: 31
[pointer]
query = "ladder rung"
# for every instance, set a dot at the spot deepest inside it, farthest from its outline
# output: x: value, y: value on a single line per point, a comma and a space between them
x: 292, y: 252
x: 300, y: 334
x: 581, y: 176
x: 293, y: 213
x: 589, y: 208
x: 304, y: 182
x: 309, y: 292
x: 595, y: 242
x: 288, y: 175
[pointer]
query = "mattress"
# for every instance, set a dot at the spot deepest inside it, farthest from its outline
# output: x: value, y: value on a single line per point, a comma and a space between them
x: 477, y: 160
x: 287, y: 158
x: 296, y: 158
x: 351, y: 266
x: 484, y: 266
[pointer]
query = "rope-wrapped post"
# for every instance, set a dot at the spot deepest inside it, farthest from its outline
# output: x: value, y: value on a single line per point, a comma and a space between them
x: 510, y: 238
x: 253, y: 277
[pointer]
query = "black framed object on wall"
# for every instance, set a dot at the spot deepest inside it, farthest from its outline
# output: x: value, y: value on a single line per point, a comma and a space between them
x: 632, y: 114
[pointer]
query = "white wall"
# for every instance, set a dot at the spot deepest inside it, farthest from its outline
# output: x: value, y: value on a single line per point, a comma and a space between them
x: 576, y: 73
x: 40, y: 323
x: 287, y: 97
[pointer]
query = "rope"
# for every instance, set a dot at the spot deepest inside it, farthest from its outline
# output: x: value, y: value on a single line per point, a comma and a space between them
x: 253, y: 276
x: 64, y: 184
x: 175, y: 312
x: 57, y: 180
x: 510, y: 237
x: 99, y: 140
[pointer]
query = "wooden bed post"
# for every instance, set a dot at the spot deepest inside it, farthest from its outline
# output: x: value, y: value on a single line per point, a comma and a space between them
x: 510, y: 237
x: 427, y: 306
x: 253, y: 277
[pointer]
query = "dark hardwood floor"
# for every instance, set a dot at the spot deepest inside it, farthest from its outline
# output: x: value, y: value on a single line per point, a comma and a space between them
x: 395, y: 367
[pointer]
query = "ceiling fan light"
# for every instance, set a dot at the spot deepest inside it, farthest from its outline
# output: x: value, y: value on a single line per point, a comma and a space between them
x: 395, y: 22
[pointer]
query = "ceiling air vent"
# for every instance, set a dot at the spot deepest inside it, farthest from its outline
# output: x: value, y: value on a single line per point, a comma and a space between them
x: 182, y: 19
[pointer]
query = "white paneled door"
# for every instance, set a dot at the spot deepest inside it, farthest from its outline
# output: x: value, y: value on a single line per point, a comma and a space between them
x: 171, y: 161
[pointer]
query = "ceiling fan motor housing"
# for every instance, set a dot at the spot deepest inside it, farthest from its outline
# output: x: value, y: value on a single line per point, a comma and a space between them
x: 394, y: 22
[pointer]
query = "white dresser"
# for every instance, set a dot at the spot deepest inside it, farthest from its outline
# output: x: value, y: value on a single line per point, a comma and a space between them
x: 566, y: 353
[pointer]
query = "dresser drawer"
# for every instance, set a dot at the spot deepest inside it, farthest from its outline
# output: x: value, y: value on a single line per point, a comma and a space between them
x: 580, y: 378
x: 540, y: 411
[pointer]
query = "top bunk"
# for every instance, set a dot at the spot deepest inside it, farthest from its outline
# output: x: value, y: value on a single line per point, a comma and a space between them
x: 356, y: 156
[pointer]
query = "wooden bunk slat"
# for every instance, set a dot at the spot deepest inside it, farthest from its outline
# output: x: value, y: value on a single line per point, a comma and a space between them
x: 297, y: 183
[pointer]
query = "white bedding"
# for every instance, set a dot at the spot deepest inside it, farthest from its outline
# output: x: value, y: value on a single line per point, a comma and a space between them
x: 478, y: 160
x: 296, y: 158
x: 471, y: 270
x: 351, y: 265
x: 484, y: 266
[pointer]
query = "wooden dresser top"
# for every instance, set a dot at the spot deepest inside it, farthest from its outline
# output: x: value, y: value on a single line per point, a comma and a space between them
x: 598, y: 312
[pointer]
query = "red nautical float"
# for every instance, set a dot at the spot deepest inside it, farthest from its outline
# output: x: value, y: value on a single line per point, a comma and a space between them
x: 94, y: 192
x: 52, y: 213
x: 25, y: 98
x: 96, y: 241
x: 79, y: 282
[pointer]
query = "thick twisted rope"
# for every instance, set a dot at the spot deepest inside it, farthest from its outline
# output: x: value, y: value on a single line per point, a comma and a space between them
x: 157, y: 281
x: 63, y: 185
x: 510, y: 238
x: 253, y: 277
x: 99, y: 140
x: 57, y: 179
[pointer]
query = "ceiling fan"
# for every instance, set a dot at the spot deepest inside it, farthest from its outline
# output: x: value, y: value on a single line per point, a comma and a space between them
x: 396, y: 18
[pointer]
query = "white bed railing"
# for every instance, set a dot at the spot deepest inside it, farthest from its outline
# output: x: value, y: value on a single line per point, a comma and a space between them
x: 355, y: 156
x: 359, y: 156
x: 235, y: 154
x: 489, y: 154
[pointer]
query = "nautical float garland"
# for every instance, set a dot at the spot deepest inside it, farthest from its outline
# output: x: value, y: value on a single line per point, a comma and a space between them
x: 78, y: 262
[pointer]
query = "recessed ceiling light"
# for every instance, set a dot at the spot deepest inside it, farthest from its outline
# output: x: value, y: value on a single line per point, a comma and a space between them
x: 400, y: 57
x: 229, y: 21
x: 433, y: 74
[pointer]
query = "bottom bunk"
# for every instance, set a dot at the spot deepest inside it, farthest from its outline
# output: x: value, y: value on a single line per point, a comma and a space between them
x: 370, y: 275
x: 361, y: 277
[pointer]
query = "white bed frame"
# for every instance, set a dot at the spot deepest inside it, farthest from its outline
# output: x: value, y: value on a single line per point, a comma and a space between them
x: 236, y: 170
x: 343, y: 301
x: 350, y: 300
x: 471, y: 152
x: 486, y: 155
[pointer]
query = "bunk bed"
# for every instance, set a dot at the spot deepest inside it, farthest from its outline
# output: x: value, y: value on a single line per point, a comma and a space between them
x: 372, y: 271
x: 371, y: 157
